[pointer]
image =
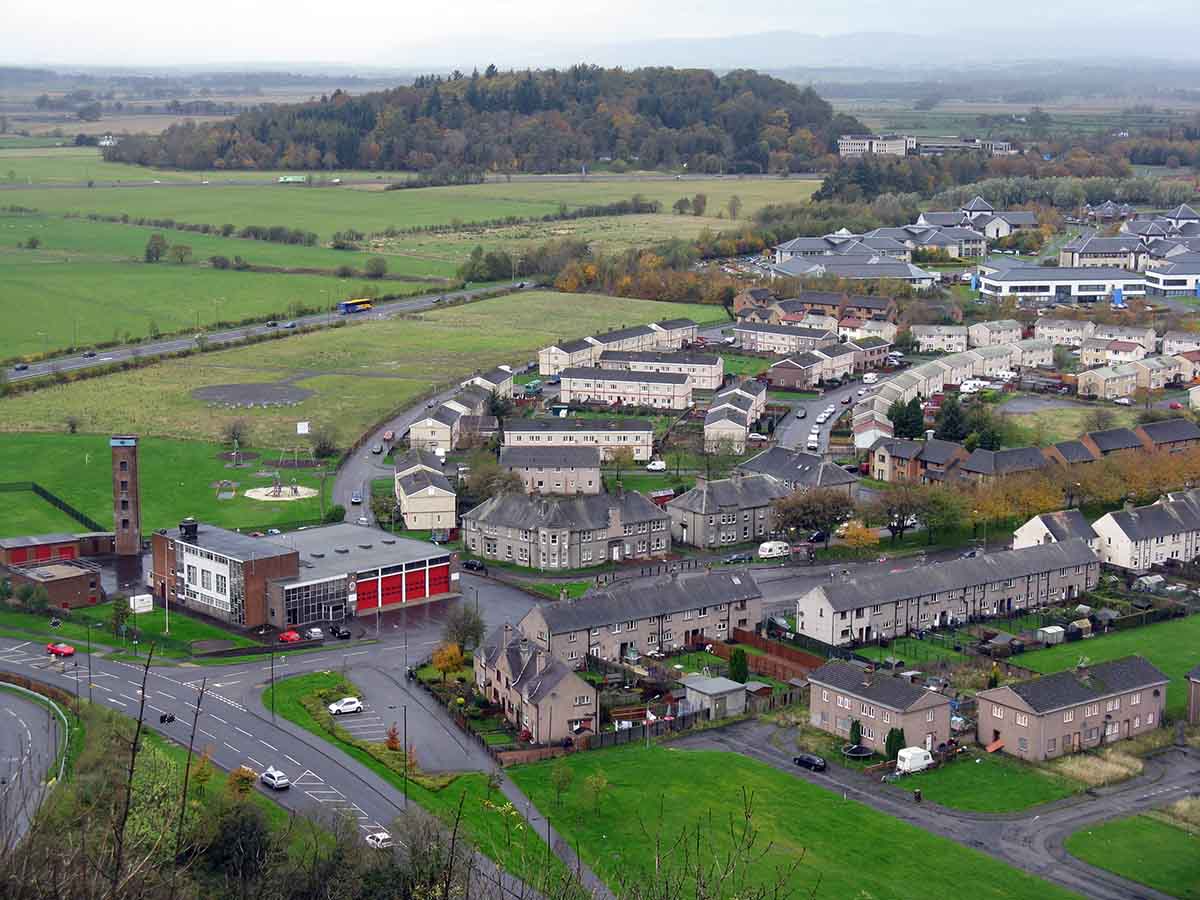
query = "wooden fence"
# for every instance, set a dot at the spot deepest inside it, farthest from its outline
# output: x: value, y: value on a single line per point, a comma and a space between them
x: 775, y: 648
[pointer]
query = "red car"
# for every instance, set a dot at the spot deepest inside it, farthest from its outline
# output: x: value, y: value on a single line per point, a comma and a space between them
x: 1176, y: 405
x: 289, y: 637
x: 60, y: 649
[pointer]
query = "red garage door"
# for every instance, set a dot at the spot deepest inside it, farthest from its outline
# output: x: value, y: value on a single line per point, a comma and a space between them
x: 414, y: 582
x: 18, y: 555
x: 66, y: 552
x: 393, y: 585
x: 439, y: 580
x: 368, y: 594
x: 40, y: 553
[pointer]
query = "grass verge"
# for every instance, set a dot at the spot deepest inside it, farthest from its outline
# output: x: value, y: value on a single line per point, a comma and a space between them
x: 1145, y: 850
x: 992, y: 783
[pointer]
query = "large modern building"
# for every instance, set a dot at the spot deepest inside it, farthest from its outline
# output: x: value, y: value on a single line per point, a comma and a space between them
x: 1046, y: 284
x: 317, y: 575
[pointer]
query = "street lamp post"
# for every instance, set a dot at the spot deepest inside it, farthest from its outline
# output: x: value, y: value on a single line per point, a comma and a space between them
x: 89, y: 639
x: 404, y: 712
x: 272, y: 682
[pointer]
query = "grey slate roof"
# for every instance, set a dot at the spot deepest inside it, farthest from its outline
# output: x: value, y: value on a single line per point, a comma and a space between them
x: 1005, y: 462
x: 576, y: 513
x: 1114, y: 439
x: 612, y: 337
x: 741, y: 492
x: 622, y: 375
x: 1066, y: 524
x: 794, y: 330
x: 231, y: 543
x: 1094, y: 244
x: 1194, y: 674
x: 1070, y: 688
x: 939, y: 452
x: 575, y: 346
x: 978, y: 204
x: 649, y: 356
x: 805, y: 360
x: 801, y: 470
x: 417, y: 481
x: 1170, y: 430
x: 642, y: 600
x: 673, y: 324
x: 728, y: 413
x: 557, y: 424
x: 746, y: 387
x: 495, y: 376
x: 523, y: 657
x: 877, y: 687
x: 414, y: 458
x: 36, y: 540
x: 446, y: 415
x: 955, y: 575
x: 901, y: 448
x: 1175, y: 513
x: 523, y: 457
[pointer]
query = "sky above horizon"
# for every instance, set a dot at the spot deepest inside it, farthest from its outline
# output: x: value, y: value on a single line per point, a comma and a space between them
x: 386, y: 33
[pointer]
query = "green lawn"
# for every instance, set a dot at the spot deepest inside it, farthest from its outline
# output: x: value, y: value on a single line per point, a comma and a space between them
x: 177, y: 479
x: 358, y: 373
x: 1170, y: 645
x: 553, y: 590
x: 745, y: 365
x: 1048, y: 426
x: 912, y: 651
x: 993, y: 783
x: 523, y: 854
x: 648, y: 481
x: 1144, y: 850
x: 844, y: 849
x: 24, y: 512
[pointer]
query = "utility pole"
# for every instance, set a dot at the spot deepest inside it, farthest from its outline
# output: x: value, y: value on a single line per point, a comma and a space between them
x: 405, y: 716
x: 272, y: 683
x: 89, y: 639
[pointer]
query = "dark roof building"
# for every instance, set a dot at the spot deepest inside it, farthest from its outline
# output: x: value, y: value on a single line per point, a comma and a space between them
x: 1112, y: 440
x: 798, y: 470
x: 1085, y: 685
x: 554, y: 457
x: 886, y: 690
x: 995, y: 463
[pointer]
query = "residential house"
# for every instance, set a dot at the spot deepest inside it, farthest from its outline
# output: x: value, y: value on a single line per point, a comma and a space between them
x: 1111, y: 440
x: 1156, y: 372
x: 1138, y: 334
x: 1098, y: 351
x: 869, y: 425
x: 1189, y: 365
x: 1193, y: 681
x: 799, y: 372
x: 425, y: 497
x: 725, y: 511
x: 706, y: 370
x: 1071, y: 453
x: 549, y: 533
x: 821, y: 303
x: 1055, y: 527
x: 1194, y: 397
x: 437, y: 429
x: 782, y: 340
x: 928, y: 461
x: 1035, y: 353
x: 869, y: 352
x: 565, y: 355
x: 840, y: 361
x: 1043, y: 284
x: 610, y: 435
x: 613, y: 387
x: 804, y: 319
x: 555, y: 470
x: 1108, y: 383
x: 955, y: 368
x: 1083, y: 708
x: 1135, y: 538
x: 849, y: 329
x: 627, y: 619
x: 498, y: 381
x: 1176, y: 342
x: 1124, y: 251
x: 841, y: 693
x: 476, y: 431
x: 988, y: 465
x: 638, y: 337
x: 988, y: 361
x: 538, y: 693
x: 896, y: 603
x: 1064, y: 332
x: 799, y: 471
x: 748, y: 388
x: 1170, y: 435
x: 930, y: 379
x: 940, y: 338
x: 672, y: 334
x: 752, y: 299
x: 998, y: 331
x: 726, y: 429
x: 876, y: 309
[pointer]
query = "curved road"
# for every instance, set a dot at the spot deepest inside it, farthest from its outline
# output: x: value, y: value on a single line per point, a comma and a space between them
x: 29, y: 740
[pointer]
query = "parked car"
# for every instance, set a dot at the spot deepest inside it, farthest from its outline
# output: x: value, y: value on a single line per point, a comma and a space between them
x: 379, y: 840
x: 847, y: 400
x: 656, y: 465
x: 970, y: 554
x: 341, y: 632
x: 345, y: 705
x: 377, y: 449
x: 274, y: 531
x: 755, y: 436
x: 809, y: 761
x: 21, y: 367
x: 314, y: 634
x: 816, y: 429
x: 743, y: 556
x: 289, y: 637
x: 89, y: 354
x: 1175, y: 404
x: 1123, y: 401
x: 802, y: 413
x: 272, y: 323
x: 817, y: 537
x: 362, y: 520
x: 274, y: 779
x: 289, y: 324
x: 356, y: 498
x: 60, y: 650
x: 475, y: 565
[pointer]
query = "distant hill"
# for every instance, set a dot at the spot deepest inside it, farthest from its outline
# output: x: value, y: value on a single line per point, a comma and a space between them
x: 540, y: 121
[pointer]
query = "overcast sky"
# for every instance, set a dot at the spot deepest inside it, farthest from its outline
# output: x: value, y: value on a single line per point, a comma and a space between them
x: 466, y: 32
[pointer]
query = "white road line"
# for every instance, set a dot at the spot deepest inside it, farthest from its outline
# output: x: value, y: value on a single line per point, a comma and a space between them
x: 356, y: 653
x: 243, y: 731
x: 255, y: 761
x: 156, y: 709
x: 218, y: 718
x: 165, y: 694
x: 19, y: 646
x: 131, y: 699
x: 291, y: 759
x: 103, y: 688
x: 268, y: 746
x: 208, y: 734
x: 118, y: 702
x: 231, y: 747
x: 136, y: 684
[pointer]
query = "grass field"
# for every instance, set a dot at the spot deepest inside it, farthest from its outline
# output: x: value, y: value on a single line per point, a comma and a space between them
x: 844, y: 849
x: 553, y: 590
x: 648, y: 481
x: 745, y: 365
x: 912, y: 651
x: 1144, y: 850
x: 991, y: 783
x: 1170, y: 645
x: 1048, y: 426
x: 359, y: 373
x: 176, y: 481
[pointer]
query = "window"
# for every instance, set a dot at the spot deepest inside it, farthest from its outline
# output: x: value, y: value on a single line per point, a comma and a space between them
x: 191, y: 574
x: 124, y: 465
x: 887, y: 717
x: 631, y: 625
x: 206, y: 579
x: 595, y: 631
x: 1092, y: 709
x: 1023, y: 720
x: 572, y: 637
x: 1113, y: 705
x: 1022, y: 745
x: 997, y: 712
x: 824, y: 696
x: 1135, y: 699
x: 1069, y: 716
x: 583, y: 700
x: 1051, y: 745
x: 1149, y: 718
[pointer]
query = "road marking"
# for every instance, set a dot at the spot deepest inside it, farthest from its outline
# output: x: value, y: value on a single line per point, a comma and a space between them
x: 218, y: 718
x: 268, y: 746
x: 102, y: 687
x: 156, y: 709
x: 136, y: 684
x: 171, y: 696
x: 19, y: 646
x: 243, y: 731
x: 131, y: 699
x: 231, y: 747
x: 255, y: 761
x: 291, y: 759
x: 118, y: 702
x: 208, y: 734
x: 356, y: 653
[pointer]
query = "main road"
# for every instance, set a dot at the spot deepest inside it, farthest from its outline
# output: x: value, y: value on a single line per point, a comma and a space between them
x: 29, y: 744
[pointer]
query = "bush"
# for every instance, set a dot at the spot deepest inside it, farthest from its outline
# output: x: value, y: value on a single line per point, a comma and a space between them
x: 376, y: 267
x: 219, y: 262
x: 335, y: 513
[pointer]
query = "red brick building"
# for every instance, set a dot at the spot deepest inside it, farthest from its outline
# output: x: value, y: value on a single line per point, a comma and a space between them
x: 69, y: 583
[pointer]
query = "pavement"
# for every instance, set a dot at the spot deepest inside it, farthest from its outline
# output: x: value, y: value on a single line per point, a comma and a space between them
x: 29, y: 741
x: 383, y: 310
x: 1031, y: 840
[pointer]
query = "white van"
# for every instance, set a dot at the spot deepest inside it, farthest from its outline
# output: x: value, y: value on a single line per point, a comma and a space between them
x: 774, y: 550
x: 913, y: 759
x: 813, y: 443
x: 870, y: 378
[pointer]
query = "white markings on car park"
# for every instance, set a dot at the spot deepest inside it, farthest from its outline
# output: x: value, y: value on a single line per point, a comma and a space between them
x: 117, y: 702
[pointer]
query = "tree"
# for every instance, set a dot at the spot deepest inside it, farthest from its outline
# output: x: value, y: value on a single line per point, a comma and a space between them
x: 897, y: 507
x: 237, y: 431
x: 699, y: 204
x: 33, y: 598
x: 119, y: 615
x: 951, y: 424
x: 376, y: 267
x: 156, y: 246
x: 487, y: 479
x: 1099, y: 418
x: 393, y: 739
x: 464, y: 627
x: 941, y: 509
x: 859, y: 537
x: 241, y: 782
x: 179, y: 253
x: 894, y: 743
x: 735, y: 206
x: 561, y: 776
x: 621, y: 459
x: 324, y: 441
x: 447, y: 658
x: 739, y: 666
x: 820, y: 509
x: 856, y: 733
x: 682, y: 206
x: 596, y: 786
x: 33, y: 242
x: 908, y: 419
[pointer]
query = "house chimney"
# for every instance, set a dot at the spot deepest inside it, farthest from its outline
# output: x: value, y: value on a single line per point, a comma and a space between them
x: 929, y: 434
x: 507, y: 633
x: 524, y: 650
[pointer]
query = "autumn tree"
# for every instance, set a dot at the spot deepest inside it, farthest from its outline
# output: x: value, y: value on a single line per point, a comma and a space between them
x: 156, y: 246
x: 820, y: 509
x: 699, y: 204
x: 596, y: 785
x: 487, y: 479
x: 393, y: 739
x: 898, y: 507
x: 859, y: 537
x: 447, y: 658
x: 179, y: 253
x: 620, y: 460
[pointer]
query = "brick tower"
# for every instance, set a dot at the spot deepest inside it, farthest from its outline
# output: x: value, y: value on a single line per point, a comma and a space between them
x: 127, y: 512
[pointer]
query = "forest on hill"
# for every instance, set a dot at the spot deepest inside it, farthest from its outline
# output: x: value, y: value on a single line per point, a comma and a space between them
x: 531, y: 121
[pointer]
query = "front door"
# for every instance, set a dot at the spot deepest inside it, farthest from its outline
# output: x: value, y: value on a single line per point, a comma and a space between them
x: 616, y: 552
x: 1075, y: 742
x: 929, y: 741
x: 1125, y: 728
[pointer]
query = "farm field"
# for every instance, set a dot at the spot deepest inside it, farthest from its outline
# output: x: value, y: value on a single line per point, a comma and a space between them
x: 177, y: 480
x: 357, y: 374
x: 1170, y: 645
x: 1145, y: 850
x: 844, y: 849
